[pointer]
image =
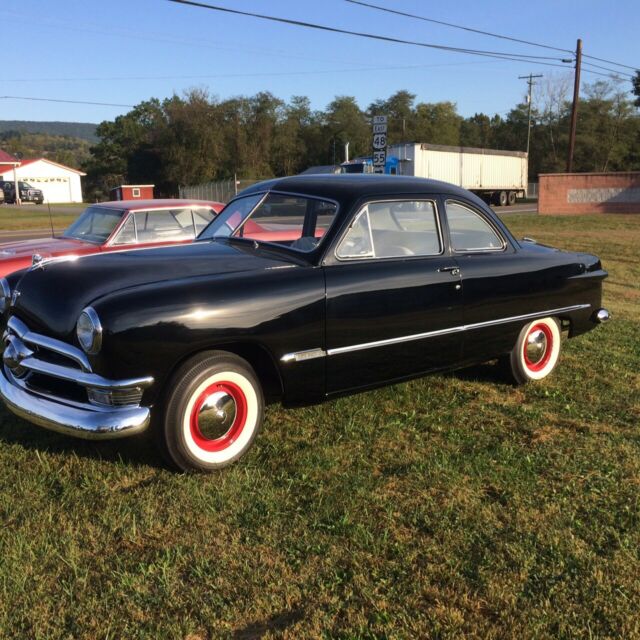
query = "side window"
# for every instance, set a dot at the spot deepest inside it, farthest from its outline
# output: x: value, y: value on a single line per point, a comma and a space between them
x: 357, y: 242
x: 165, y: 225
x: 469, y: 231
x: 393, y: 230
x: 127, y: 235
x: 202, y: 217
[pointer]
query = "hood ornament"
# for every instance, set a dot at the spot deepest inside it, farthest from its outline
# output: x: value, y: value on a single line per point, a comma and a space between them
x: 14, y: 297
x: 36, y: 260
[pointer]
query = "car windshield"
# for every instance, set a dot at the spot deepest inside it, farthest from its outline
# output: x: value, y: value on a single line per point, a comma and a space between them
x: 25, y: 185
x: 95, y: 224
x: 294, y: 221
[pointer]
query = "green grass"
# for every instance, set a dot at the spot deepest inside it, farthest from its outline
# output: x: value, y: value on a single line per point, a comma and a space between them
x: 31, y: 216
x: 455, y: 506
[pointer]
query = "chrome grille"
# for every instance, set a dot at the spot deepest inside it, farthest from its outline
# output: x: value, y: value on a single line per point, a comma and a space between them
x: 32, y: 359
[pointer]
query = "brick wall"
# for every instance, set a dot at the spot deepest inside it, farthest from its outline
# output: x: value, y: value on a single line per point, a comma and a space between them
x: 574, y: 193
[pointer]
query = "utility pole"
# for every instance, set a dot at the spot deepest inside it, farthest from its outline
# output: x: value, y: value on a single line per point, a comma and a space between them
x: 574, y: 108
x: 530, y: 82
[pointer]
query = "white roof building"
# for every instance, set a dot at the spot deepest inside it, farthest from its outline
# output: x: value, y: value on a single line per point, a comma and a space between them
x: 57, y: 182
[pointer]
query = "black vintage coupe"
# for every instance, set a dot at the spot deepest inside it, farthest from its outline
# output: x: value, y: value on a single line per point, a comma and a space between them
x: 302, y: 289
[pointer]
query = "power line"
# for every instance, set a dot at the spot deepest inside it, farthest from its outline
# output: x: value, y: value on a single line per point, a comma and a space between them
x: 245, y: 75
x: 618, y: 64
x: 457, y: 26
x: 372, y: 36
x: 481, y: 32
x: 99, y: 104
x: 598, y: 66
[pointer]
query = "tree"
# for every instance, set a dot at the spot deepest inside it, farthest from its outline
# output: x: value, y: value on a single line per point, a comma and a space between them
x: 477, y: 131
x: 189, y: 143
x: 437, y: 123
x: 605, y: 128
x: 401, y: 114
x: 636, y: 88
x: 346, y: 122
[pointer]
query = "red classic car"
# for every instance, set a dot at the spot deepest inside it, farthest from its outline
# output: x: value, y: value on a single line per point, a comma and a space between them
x: 114, y: 226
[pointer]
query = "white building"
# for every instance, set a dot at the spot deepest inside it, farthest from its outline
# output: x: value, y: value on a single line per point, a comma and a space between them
x: 57, y: 182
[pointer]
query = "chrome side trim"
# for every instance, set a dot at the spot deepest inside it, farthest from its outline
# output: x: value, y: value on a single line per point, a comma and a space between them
x: 458, y: 329
x: 299, y: 356
x: 20, y: 329
x: 83, y: 422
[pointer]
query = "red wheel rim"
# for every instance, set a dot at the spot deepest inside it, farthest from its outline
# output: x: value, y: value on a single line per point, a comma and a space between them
x: 544, y: 360
x: 236, y: 428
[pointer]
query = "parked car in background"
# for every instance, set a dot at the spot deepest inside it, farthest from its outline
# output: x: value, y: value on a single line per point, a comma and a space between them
x: 114, y: 226
x: 27, y: 192
x: 301, y: 289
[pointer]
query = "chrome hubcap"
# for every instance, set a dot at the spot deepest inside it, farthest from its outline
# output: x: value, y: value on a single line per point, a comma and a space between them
x: 217, y: 415
x: 536, y: 346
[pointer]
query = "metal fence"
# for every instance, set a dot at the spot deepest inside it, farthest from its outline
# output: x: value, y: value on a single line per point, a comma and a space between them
x: 218, y: 190
x: 224, y: 190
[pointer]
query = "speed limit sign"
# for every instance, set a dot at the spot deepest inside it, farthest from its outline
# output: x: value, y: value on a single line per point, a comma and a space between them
x: 379, y: 130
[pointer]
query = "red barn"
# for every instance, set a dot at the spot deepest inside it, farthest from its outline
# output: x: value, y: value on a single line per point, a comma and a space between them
x: 132, y: 192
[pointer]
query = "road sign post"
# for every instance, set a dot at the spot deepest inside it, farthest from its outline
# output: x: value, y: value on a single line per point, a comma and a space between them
x: 379, y: 143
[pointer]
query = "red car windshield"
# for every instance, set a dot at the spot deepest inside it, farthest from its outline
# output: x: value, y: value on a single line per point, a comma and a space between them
x: 95, y: 225
x: 294, y: 221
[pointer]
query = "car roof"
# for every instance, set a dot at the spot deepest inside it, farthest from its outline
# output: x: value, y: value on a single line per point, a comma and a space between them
x: 159, y: 203
x: 350, y: 185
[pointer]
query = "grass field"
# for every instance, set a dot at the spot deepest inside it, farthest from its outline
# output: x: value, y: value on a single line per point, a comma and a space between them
x: 455, y: 506
x: 31, y: 216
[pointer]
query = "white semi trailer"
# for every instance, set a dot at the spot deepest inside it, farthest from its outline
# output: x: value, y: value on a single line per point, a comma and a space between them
x: 498, y: 177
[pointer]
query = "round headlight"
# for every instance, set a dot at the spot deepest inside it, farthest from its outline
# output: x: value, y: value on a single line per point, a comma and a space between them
x: 5, y: 295
x: 89, y: 331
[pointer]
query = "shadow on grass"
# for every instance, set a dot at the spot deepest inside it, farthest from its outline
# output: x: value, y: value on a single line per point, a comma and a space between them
x: 494, y: 371
x: 135, y: 451
x: 277, y: 623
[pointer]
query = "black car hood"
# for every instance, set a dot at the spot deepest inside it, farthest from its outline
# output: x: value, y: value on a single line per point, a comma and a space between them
x: 52, y: 296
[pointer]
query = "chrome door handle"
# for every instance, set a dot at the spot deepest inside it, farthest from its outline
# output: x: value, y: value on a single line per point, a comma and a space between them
x: 454, y: 271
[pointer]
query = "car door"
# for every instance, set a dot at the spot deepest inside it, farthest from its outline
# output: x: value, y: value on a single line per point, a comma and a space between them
x: 393, y: 296
x: 497, y: 283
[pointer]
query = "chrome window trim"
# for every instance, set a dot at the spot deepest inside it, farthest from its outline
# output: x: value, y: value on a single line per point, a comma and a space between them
x: 482, y: 217
x: 132, y: 214
x: 297, y: 356
x: 360, y: 211
x: 113, y: 241
x: 293, y: 194
x: 123, y: 216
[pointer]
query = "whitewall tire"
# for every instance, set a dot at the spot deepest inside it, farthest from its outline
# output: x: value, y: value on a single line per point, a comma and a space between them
x: 536, y: 351
x: 213, y: 413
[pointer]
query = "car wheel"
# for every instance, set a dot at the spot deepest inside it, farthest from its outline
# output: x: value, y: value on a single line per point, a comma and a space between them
x: 511, y: 198
x: 503, y: 199
x: 213, y: 413
x: 536, y: 351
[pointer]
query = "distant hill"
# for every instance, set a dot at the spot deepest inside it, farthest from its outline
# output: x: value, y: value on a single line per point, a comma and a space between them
x: 83, y: 130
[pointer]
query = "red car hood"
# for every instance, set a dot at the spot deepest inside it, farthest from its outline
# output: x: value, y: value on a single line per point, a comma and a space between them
x: 44, y: 246
x: 17, y: 255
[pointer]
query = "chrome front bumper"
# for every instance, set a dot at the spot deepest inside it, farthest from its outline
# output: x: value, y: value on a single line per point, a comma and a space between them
x: 87, y: 405
x: 87, y: 422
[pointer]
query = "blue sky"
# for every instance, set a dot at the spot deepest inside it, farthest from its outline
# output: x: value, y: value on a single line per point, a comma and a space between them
x: 125, y: 51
